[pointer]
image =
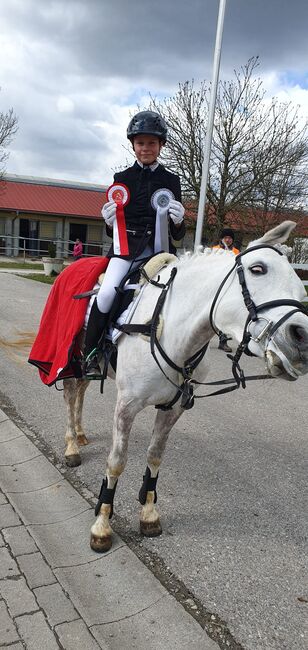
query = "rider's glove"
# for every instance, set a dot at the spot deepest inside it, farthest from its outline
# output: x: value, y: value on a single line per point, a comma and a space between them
x: 176, y: 211
x: 109, y: 213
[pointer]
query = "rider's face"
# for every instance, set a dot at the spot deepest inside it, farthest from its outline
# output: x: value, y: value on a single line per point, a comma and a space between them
x: 147, y: 148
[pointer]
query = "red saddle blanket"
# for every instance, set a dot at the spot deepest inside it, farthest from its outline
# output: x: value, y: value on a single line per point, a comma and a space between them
x: 56, y: 346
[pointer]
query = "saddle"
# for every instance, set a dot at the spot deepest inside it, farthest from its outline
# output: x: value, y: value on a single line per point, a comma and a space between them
x: 132, y: 285
x: 56, y: 351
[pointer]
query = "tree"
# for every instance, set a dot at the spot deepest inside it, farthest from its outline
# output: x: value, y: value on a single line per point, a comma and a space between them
x: 8, y: 128
x: 259, y: 153
x: 299, y: 251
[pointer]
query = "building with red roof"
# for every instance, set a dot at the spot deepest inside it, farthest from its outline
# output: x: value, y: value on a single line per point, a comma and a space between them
x: 35, y: 211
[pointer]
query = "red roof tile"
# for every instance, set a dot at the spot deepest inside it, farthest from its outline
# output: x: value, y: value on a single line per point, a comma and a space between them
x: 51, y: 199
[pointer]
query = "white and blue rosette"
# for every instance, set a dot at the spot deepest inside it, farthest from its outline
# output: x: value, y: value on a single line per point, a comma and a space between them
x: 160, y: 201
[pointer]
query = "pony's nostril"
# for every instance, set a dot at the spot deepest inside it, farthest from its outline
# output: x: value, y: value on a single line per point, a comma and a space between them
x: 299, y: 334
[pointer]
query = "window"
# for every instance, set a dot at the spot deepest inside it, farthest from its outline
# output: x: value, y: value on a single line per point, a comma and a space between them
x: 95, y: 234
x: 48, y: 229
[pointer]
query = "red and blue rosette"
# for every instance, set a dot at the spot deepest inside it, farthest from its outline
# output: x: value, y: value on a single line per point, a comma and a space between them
x: 119, y: 193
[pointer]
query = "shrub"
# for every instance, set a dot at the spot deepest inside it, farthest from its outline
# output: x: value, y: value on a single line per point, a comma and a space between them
x: 52, y: 250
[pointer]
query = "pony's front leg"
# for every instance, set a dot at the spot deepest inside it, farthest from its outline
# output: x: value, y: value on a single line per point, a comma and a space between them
x: 150, y: 525
x: 101, y: 531
x: 72, y: 455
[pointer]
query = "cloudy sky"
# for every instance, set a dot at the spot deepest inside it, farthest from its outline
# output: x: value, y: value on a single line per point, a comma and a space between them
x: 74, y: 70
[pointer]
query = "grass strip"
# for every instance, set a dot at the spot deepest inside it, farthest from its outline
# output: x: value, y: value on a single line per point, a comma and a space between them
x: 21, y: 265
x: 46, y: 279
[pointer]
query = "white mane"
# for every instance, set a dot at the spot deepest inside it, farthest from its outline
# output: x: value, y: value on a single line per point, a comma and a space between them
x: 201, y: 251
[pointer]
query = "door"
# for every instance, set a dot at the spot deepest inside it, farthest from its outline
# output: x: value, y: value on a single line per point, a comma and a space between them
x: 77, y: 231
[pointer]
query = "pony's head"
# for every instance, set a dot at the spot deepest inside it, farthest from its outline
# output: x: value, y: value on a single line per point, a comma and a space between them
x: 276, y: 325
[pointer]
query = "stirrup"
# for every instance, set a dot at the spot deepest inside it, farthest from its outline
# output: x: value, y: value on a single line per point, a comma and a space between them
x: 91, y: 367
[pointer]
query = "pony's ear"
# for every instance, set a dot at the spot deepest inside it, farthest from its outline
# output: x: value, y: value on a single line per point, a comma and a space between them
x: 277, y: 235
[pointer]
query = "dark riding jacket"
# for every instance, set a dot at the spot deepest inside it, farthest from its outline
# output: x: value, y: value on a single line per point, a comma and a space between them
x: 140, y: 217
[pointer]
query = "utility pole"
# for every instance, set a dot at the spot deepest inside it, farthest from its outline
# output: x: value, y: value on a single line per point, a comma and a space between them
x: 210, y: 124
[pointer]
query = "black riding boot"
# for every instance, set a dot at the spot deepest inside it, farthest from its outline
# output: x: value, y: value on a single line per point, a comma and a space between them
x: 96, y: 330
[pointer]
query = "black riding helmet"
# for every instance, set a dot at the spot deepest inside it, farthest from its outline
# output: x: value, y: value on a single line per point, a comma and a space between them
x: 227, y: 232
x: 147, y: 123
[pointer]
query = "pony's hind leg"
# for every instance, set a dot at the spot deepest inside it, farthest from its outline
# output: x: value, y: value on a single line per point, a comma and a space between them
x: 150, y: 525
x: 72, y: 455
x: 101, y: 531
x: 81, y: 387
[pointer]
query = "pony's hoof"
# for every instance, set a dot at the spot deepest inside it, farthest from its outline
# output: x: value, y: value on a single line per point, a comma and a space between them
x: 82, y: 440
x: 100, y: 544
x: 73, y: 461
x: 150, y: 528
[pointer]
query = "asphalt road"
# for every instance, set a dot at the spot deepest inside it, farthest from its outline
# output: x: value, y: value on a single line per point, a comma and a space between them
x: 232, y: 487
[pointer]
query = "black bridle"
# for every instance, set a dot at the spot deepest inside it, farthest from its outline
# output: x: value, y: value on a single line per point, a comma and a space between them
x: 253, y: 315
x: 185, y: 391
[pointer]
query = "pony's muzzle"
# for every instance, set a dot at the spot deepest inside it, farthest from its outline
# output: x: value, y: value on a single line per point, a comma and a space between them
x: 278, y: 366
x: 287, y: 350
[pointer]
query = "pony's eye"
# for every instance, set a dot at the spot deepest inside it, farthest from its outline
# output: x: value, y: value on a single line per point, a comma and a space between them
x: 258, y: 269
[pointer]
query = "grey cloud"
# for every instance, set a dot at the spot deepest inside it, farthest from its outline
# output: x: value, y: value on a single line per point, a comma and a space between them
x: 276, y: 30
x: 142, y: 38
x: 132, y: 38
x: 123, y: 37
x: 101, y: 52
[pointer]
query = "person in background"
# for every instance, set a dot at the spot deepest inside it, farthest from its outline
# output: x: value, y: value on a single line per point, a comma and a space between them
x: 226, y: 242
x: 77, y: 250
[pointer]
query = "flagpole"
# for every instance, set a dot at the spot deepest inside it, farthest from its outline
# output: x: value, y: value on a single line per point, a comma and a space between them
x: 210, y: 124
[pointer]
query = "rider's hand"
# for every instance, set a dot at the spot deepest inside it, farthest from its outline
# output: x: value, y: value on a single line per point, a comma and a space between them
x: 109, y: 213
x: 176, y: 211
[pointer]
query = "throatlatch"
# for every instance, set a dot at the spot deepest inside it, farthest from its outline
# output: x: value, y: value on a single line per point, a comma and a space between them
x: 106, y: 495
x: 148, y: 485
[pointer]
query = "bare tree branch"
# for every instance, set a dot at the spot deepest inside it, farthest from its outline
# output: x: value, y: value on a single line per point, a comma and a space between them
x: 259, y: 156
x: 8, y: 128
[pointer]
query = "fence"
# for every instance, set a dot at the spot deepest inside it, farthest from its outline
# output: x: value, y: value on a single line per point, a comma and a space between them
x: 13, y: 246
x: 26, y: 247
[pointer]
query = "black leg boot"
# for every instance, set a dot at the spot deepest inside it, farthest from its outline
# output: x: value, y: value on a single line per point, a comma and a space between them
x: 95, y: 334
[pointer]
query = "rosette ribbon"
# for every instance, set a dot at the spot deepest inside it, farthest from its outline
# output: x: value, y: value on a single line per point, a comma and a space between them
x: 119, y: 193
x: 160, y: 202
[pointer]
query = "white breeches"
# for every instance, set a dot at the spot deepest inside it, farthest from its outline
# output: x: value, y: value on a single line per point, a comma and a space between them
x: 116, y: 270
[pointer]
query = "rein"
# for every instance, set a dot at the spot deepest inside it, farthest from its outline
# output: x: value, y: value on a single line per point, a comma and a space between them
x: 186, y: 389
x: 150, y: 329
